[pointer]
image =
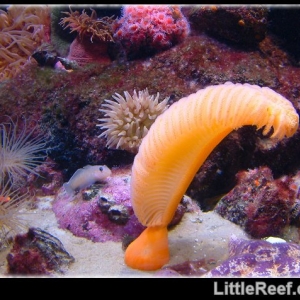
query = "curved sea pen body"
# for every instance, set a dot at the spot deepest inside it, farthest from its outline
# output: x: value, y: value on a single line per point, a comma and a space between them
x: 181, y: 139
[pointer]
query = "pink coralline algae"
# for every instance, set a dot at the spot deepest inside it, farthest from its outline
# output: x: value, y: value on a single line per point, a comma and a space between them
x: 259, y: 203
x: 92, y: 212
x: 147, y: 29
x: 103, y: 212
x: 247, y: 258
x: 259, y: 258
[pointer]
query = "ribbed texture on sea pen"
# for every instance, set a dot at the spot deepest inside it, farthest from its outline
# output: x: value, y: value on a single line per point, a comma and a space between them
x: 177, y: 144
x: 182, y: 137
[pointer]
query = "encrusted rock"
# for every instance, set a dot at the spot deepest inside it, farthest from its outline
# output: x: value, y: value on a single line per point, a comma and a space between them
x: 259, y: 203
x: 38, y: 253
x: 257, y: 258
x: 107, y: 217
x: 186, y: 205
x: 105, y: 204
x: 89, y: 194
x: 243, y: 25
x: 118, y: 214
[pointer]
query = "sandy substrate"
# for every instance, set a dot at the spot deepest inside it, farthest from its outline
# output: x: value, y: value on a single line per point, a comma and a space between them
x: 198, y: 236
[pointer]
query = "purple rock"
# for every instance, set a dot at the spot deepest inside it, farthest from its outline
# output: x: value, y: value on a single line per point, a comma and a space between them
x: 103, y: 212
x: 259, y: 258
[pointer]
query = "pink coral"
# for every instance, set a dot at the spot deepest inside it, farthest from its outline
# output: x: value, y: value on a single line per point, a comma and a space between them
x: 146, y: 29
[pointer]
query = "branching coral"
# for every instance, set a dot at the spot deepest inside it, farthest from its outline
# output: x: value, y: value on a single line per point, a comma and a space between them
x: 22, y: 30
x: 87, y: 25
x: 128, y: 120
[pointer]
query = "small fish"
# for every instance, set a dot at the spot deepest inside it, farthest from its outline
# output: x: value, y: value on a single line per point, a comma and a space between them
x: 86, y: 176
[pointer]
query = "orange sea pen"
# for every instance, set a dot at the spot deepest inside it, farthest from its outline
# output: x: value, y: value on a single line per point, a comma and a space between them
x: 177, y: 144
